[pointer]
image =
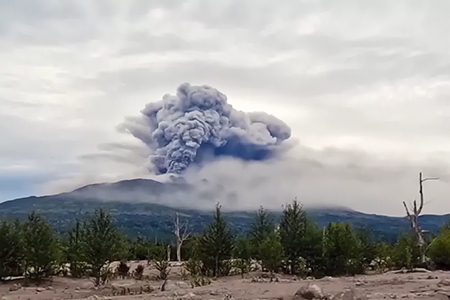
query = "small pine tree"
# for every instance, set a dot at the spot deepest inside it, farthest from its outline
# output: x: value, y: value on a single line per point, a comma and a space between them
x: 439, y: 249
x: 215, y: 246
x: 262, y: 226
x: 383, y: 257
x: 242, y: 255
x: 75, y: 251
x: 103, y: 244
x: 312, y: 250
x: 161, y: 262
x: 292, y: 233
x: 11, y: 250
x: 139, y: 249
x: 193, y: 266
x: 271, y: 252
x: 341, y: 249
x: 40, y: 247
x: 406, y: 253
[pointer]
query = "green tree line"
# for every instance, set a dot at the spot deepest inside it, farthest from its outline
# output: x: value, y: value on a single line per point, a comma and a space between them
x: 294, y: 246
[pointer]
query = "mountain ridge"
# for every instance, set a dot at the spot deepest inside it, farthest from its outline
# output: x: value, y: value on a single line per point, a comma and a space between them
x: 153, y: 217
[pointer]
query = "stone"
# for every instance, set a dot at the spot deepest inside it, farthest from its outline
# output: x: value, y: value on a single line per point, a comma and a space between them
x: 349, y: 294
x: 327, y: 278
x: 15, y: 287
x: 309, y: 292
x: 359, y: 283
x: 444, y: 282
x: 440, y: 296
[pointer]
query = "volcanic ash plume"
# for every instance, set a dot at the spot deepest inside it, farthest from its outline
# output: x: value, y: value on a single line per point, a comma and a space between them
x: 198, y: 125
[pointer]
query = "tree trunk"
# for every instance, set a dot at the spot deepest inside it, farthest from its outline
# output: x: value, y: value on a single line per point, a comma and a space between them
x: 168, y: 252
x: 178, y: 251
x: 181, y: 234
x: 216, y: 269
x: 292, y: 263
x: 413, y: 216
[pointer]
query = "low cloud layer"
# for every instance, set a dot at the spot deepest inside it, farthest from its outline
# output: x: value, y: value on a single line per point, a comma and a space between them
x: 330, y: 177
x: 369, y: 81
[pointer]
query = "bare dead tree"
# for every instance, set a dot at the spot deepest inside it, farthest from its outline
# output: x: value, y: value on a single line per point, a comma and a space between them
x: 182, y: 233
x: 414, y: 212
x: 169, y: 250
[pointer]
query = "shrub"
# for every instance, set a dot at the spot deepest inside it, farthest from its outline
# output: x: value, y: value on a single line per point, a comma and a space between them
x: 123, y: 269
x: 161, y: 263
x: 138, y: 273
x: 439, y: 250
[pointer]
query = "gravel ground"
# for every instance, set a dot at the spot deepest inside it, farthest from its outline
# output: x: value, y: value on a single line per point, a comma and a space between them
x: 433, y: 285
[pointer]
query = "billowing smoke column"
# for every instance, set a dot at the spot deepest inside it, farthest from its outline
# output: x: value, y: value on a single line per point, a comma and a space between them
x: 198, y: 124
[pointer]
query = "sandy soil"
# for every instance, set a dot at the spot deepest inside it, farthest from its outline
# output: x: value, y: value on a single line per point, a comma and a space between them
x: 387, y: 286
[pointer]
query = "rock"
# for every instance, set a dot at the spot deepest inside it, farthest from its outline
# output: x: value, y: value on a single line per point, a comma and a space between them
x: 39, y: 289
x: 182, y: 285
x: 49, y: 288
x: 327, y: 278
x: 359, y: 281
x: 440, y: 296
x: 309, y: 292
x: 15, y: 287
x: 444, y: 282
x: 349, y: 294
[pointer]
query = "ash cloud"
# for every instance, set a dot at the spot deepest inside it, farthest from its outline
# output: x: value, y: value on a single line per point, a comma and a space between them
x: 198, y: 125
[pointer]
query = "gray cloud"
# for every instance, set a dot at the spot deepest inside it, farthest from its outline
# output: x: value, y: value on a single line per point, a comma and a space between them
x: 369, y: 80
x: 330, y: 176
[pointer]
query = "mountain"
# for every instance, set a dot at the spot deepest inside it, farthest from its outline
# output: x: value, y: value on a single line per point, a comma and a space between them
x: 138, y: 209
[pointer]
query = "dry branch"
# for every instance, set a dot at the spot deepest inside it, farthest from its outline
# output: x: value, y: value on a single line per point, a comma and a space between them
x: 182, y: 233
x: 414, y: 212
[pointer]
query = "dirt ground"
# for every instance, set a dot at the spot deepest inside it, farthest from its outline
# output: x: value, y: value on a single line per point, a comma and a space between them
x: 432, y: 285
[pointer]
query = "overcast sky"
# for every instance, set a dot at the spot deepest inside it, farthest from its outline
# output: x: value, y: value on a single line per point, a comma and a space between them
x: 364, y: 85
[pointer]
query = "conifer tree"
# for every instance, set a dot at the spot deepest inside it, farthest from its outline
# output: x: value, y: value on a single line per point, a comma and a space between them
x: 262, y: 226
x: 215, y: 246
x: 40, y: 247
x: 75, y: 250
x: 292, y: 233
x: 242, y: 255
x: 271, y: 252
x: 341, y: 249
x: 11, y: 250
x: 312, y: 248
x: 103, y: 244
